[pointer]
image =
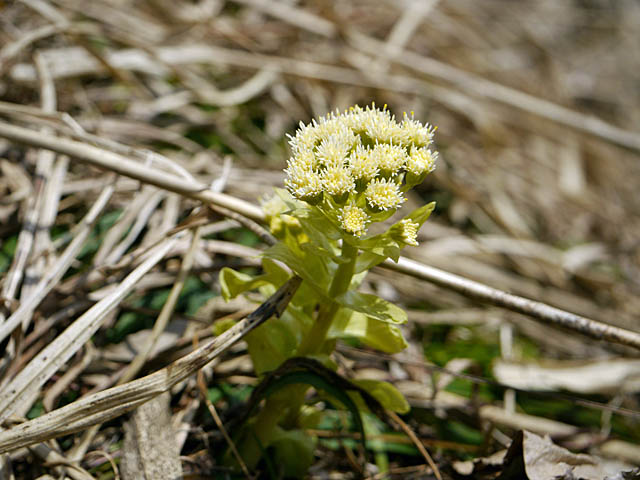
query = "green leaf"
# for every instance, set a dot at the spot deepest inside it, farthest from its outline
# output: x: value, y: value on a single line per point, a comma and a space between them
x: 311, y: 266
x: 293, y: 452
x: 367, y: 260
x: 390, y: 243
x: 420, y: 215
x: 372, y: 306
x: 277, y: 340
x: 275, y: 272
x: 385, y: 393
x: 321, y: 231
x: 374, y: 333
x: 319, y: 382
x: 289, y: 201
x: 233, y: 283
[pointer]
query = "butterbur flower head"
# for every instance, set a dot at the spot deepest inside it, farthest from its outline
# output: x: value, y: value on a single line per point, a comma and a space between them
x: 332, y: 151
x: 358, y: 161
x: 337, y: 180
x: 363, y: 165
x: 409, y: 232
x: 303, y: 182
x: 390, y: 159
x: 353, y: 220
x: 414, y: 133
x: 421, y: 161
x: 384, y: 194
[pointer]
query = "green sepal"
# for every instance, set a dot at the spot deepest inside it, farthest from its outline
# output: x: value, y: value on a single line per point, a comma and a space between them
x: 389, y: 244
x: 289, y: 200
x: 233, y: 283
x: 420, y: 215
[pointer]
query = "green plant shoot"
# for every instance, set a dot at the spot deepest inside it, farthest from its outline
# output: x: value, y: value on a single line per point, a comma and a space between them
x: 347, y: 172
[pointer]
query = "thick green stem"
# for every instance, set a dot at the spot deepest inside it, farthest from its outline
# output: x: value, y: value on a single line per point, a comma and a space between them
x: 316, y: 337
x: 291, y: 398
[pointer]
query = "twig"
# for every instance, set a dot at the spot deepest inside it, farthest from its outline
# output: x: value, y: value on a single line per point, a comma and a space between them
x: 468, y: 82
x: 202, y: 386
x: 464, y: 81
x: 165, y: 314
x: 416, y: 441
x: 122, y: 165
x: 52, y: 357
x: 538, y: 310
x: 10, y: 50
x: 52, y: 457
x: 110, y: 403
x: 46, y: 194
x: 110, y: 459
x: 57, y: 271
x: 62, y: 384
x: 294, y: 15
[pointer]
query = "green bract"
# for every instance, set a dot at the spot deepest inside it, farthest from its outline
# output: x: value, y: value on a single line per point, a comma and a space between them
x: 348, y: 171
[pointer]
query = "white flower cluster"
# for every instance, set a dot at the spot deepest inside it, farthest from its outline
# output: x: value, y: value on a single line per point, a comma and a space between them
x: 359, y: 162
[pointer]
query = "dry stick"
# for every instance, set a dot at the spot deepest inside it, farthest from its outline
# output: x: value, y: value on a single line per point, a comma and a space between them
x: 62, y: 384
x: 202, y: 386
x: 120, y: 164
x: 466, y: 82
x: 416, y: 441
x: 471, y: 83
x: 294, y: 15
x: 47, y: 201
x: 57, y: 353
x: 10, y: 50
x: 115, y: 401
x: 158, y: 327
x: 166, y: 312
x: 404, y: 28
x: 109, y: 457
x: 52, y: 457
x: 122, y: 226
x: 538, y: 310
x: 64, y: 124
x: 57, y: 271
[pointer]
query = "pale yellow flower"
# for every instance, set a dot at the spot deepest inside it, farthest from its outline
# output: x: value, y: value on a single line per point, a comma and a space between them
x: 354, y: 220
x: 303, y: 183
x: 421, y: 160
x: 383, y: 194
x: 379, y: 125
x: 337, y: 181
x: 413, y: 132
x: 409, y: 232
x: 389, y: 158
x: 305, y: 139
x: 363, y: 164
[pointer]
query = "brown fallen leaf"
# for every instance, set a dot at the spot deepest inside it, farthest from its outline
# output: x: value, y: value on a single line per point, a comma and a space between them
x: 538, y: 458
